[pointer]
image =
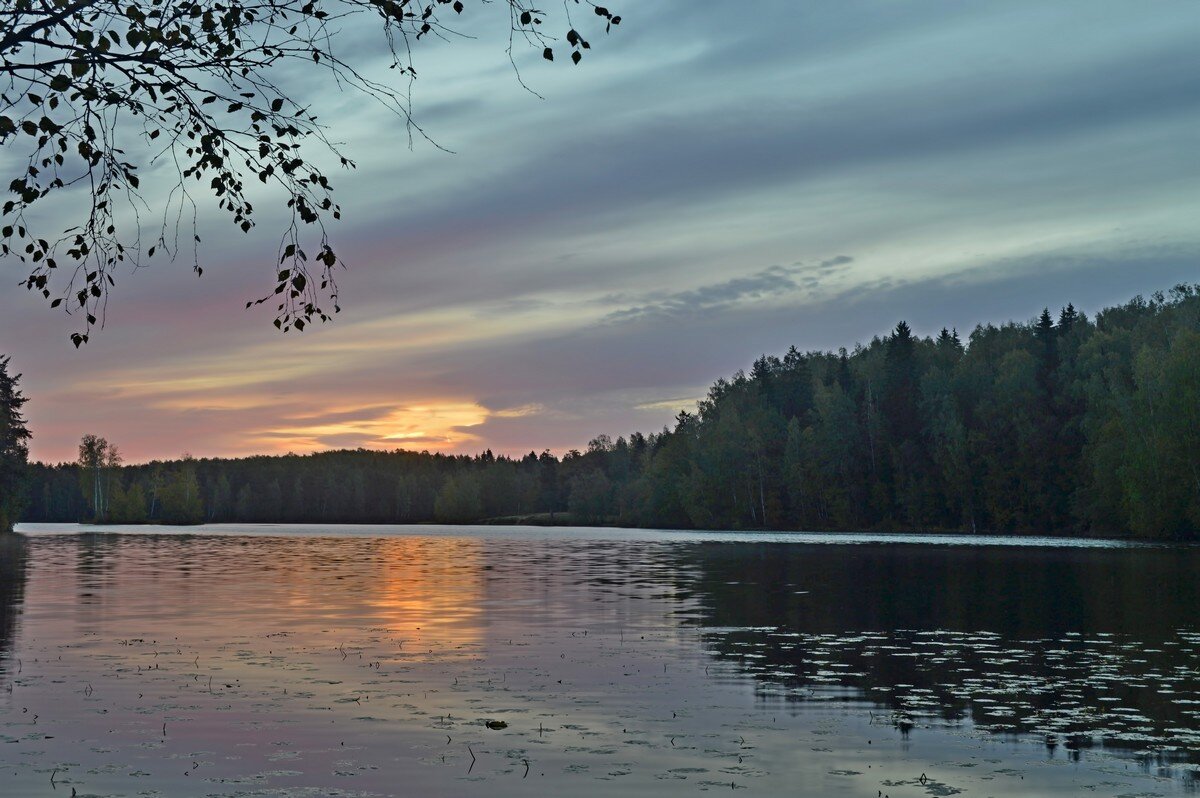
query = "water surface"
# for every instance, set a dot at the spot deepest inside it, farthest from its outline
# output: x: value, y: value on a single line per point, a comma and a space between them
x: 367, y: 661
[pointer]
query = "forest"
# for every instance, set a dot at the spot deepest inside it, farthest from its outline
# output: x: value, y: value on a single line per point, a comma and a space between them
x: 1063, y: 425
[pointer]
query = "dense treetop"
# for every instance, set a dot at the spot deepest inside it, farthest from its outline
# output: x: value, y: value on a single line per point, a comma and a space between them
x: 14, y: 450
x: 1063, y: 425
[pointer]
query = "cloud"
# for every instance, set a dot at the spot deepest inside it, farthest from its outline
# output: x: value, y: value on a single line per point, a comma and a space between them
x: 774, y: 282
x: 657, y: 355
x: 586, y: 263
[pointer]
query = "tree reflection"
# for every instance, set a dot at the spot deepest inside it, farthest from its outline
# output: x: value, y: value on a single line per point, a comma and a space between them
x: 1081, y: 646
x: 14, y: 556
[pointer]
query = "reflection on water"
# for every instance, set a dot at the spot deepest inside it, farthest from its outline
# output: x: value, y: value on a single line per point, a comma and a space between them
x: 428, y: 660
x: 14, y: 553
x: 1080, y: 647
x: 1013, y: 591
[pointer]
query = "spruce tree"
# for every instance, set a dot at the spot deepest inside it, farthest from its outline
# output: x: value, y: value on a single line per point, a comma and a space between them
x: 900, y: 398
x: 1067, y: 318
x: 14, y: 453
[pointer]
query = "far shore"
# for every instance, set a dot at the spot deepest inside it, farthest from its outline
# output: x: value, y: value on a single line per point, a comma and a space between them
x: 566, y: 521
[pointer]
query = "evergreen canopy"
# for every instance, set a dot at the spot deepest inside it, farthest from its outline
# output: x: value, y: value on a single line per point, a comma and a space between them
x: 14, y: 452
x: 1080, y: 426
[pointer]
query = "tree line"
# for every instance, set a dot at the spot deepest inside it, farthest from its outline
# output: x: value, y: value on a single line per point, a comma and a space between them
x: 1061, y: 425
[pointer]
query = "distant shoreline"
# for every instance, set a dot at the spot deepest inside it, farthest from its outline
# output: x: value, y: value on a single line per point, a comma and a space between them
x: 566, y: 520
x: 39, y: 529
x: 1080, y: 424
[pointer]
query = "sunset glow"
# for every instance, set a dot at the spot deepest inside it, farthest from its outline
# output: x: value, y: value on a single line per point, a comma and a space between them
x: 589, y: 262
x: 434, y: 426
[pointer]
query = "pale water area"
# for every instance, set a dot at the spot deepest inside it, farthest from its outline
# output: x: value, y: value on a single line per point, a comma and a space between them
x: 495, y: 661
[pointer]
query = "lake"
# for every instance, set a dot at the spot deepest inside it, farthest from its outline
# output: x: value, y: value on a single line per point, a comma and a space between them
x: 497, y: 661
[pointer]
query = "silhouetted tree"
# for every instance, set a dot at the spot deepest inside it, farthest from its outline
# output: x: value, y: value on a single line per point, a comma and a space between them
x: 14, y: 452
x: 95, y: 90
x: 458, y: 500
x: 590, y: 497
x: 905, y: 433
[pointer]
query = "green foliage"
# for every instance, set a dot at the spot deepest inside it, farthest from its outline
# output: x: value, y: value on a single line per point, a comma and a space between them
x: 99, y: 474
x: 459, y: 501
x: 590, y: 497
x: 180, y: 495
x: 1161, y: 474
x: 127, y: 506
x: 14, y: 452
x: 1074, y: 427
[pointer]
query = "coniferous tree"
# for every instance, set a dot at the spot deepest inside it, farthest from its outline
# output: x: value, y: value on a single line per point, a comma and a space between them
x: 1087, y: 425
x: 905, y: 430
x: 14, y: 451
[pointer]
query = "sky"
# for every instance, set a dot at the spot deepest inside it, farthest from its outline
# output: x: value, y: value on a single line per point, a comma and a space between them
x: 713, y: 182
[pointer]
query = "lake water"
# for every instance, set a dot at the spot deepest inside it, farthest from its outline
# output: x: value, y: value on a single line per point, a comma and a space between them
x: 493, y: 661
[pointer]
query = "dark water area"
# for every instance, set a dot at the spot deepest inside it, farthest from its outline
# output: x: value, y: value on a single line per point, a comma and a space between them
x: 1014, y: 591
x: 357, y: 661
x: 14, y: 553
x: 1081, y: 647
